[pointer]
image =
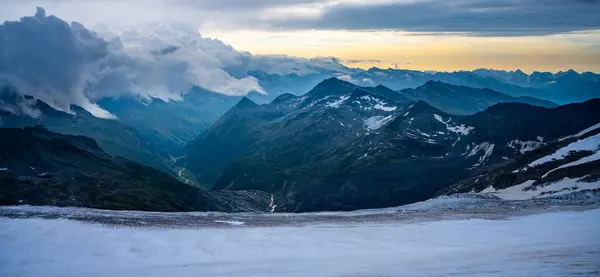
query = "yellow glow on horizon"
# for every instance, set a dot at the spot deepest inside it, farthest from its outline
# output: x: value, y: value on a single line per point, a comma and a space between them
x: 448, y: 52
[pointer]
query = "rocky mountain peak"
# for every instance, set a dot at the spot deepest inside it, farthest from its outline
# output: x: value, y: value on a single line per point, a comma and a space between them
x: 245, y: 103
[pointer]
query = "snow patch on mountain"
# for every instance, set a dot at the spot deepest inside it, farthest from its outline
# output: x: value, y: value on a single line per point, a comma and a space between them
x: 584, y: 160
x: 592, y: 128
x: 384, y: 108
x: 591, y: 143
x: 525, y: 191
x: 526, y: 146
x: 423, y: 134
x: 487, y: 149
x: 378, y: 104
x: 376, y: 122
x: 459, y: 129
x: 338, y: 102
x: 489, y: 189
x: 439, y: 118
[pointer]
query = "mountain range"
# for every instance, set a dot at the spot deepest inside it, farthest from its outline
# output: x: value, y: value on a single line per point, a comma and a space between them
x: 344, y: 147
x: 381, y: 138
x: 561, y: 87
x: 461, y: 100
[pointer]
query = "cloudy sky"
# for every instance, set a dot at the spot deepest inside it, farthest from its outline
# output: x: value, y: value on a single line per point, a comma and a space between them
x: 549, y: 35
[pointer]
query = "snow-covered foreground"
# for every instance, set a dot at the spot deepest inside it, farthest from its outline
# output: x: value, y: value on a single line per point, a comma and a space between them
x: 548, y: 244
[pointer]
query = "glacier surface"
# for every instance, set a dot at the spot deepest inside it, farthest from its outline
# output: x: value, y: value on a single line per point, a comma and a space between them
x: 556, y: 243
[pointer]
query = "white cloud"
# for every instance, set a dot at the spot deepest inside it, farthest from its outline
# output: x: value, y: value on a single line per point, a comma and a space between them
x: 15, y: 103
x: 66, y: 64
x: 168, y: 59
x: 345, y: 77
x: 283, y: 65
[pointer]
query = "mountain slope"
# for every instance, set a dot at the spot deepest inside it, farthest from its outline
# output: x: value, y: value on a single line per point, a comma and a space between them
x: 560, y: 169
x: 170, y: 125
x: 216, y: 147
x: 388, y: 93
x: 46, y: 168
x: 409, y: 160
x: 340, y: 147
x: 114, y: 137
x: 461, y: 100
x: 288, y: 116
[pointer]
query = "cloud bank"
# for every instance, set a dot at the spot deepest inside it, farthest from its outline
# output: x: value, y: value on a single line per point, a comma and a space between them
x: 45, y: 56
x: 284, y: 65
x: 66, y: 64
x: 163, y: 61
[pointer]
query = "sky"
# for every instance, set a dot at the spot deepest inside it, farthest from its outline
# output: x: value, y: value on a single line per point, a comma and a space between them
x: 531, y: 35
x: 72, y: 52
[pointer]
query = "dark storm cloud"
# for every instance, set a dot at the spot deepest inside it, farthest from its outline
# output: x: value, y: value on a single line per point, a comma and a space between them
x: 435, y: 17
x: 44, y: 56
x: 478, y: 17
x: 241, y: 4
